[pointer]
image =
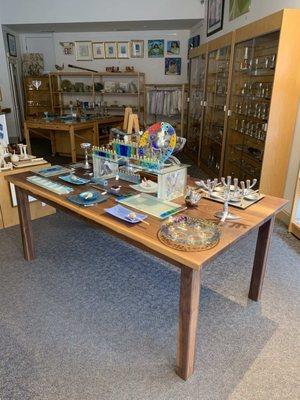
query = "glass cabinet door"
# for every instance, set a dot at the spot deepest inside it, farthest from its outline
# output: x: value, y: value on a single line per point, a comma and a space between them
x: 214, y: 115
x: 196, y: 95
x: 252, y: 82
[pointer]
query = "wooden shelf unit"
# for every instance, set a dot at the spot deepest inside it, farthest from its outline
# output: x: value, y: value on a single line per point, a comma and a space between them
x: 37, y: 100
x: 61, y: 98
x: 178, y: 120
x: 254, y: 114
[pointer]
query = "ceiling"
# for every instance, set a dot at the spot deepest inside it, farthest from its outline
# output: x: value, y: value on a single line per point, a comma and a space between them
x: 106, y: 26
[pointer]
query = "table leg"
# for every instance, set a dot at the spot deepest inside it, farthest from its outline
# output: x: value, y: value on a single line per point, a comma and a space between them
x: 260, y: 259
x: 27, y: 138
x: 188, y: 319
x: 95, y: 134
x: 72, y: 144
x: 25, y: 224
x: 53, y: 144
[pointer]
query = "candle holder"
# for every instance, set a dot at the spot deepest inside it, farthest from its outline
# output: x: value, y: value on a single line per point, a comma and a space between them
x: 228, y: 193
x: 86, y: 147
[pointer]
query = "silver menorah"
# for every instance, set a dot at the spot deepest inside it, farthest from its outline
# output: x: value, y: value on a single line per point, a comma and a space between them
x: 228, y: 192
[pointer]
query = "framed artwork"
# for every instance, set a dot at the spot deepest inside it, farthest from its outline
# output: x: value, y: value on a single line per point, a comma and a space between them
x: 173, y: 66
x: 137, y: 49
x: 110, y: 49
x: 156, y: 48
x: 173, y: 47
x: 12, y: 45
x: 238, y: 8
x: 83, y: 51
x: 123, y: 49
x: 98, y: 50
x: 215, y: 14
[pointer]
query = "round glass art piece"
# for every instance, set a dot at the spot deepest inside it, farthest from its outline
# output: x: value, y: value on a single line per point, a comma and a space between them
x: 158, y: 141
x: 189, y: 234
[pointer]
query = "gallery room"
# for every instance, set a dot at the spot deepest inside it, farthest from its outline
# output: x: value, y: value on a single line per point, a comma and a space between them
x: 149, y: 199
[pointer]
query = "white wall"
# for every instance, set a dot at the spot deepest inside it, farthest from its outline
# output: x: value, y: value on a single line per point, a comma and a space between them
x: 153, y: 67
x: 55, y: 11
x: 294, y: 165
x: 258, y: 9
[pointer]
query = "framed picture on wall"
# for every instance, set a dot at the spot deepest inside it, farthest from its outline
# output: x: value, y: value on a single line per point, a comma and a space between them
x: 173, y: 66
x: 238, y: 8
x: 173, y: 47
x: 123, y: 49
x: 215, y: 14
x: 156, y: 48
x: 110, y: 49
x: 137, y: 49
x: 83, y: 51
x: 11, y: 44
x: 98, y: 50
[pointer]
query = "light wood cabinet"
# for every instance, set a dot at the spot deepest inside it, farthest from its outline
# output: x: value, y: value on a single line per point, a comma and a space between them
x: 294, y: 226
x: 247, y: 116
x: 9, y: 211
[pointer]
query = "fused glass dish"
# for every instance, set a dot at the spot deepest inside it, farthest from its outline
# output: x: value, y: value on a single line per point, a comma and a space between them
x: 189, y: 234
x: 75, y: 180
x: 95, y: 198
x: 158, y: 141
x: 49, y: 185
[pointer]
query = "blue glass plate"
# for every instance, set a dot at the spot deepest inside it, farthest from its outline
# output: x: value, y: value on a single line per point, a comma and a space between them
x: 123, y: 212
x: 75, y: 180
x: 96, y: 198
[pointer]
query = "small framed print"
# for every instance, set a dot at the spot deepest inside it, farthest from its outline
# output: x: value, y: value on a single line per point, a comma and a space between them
x: 98, y: 50
x: 173, y: 66
x: 110, y: 49
x: 173, y: 47
x: 11, y: 44
x: 123, y: 49
x: 137, y: 49
x: 83, y: 51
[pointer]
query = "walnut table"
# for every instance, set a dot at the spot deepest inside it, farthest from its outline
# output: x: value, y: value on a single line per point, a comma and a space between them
x: 259, y: 216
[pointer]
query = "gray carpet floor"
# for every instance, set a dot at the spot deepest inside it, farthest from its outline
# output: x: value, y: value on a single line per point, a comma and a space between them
x: 94, y: 318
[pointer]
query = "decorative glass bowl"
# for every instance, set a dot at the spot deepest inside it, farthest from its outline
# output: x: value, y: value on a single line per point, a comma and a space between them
x: 189, y: 234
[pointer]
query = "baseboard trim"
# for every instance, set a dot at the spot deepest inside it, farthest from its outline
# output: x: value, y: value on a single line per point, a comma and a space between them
x: 284, y: 217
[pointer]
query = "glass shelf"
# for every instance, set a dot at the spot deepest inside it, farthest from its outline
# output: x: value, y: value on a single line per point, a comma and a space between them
x: 195, y: 113
x: 214, y: 115
x: 251, y: 91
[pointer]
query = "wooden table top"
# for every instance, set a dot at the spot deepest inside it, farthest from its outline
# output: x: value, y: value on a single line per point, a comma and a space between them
x: 42, y: 123
x: 145, y: 236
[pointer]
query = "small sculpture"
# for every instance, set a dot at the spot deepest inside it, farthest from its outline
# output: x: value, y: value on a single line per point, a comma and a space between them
x: 192, y: 197
x: 86, y: 147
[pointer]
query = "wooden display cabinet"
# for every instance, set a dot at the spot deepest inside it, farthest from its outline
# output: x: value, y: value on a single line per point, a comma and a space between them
x: 37, y: 101
x: 250, y: 97
x: 215, y: 106
x: 197, y: 71
x: 253, y: 136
